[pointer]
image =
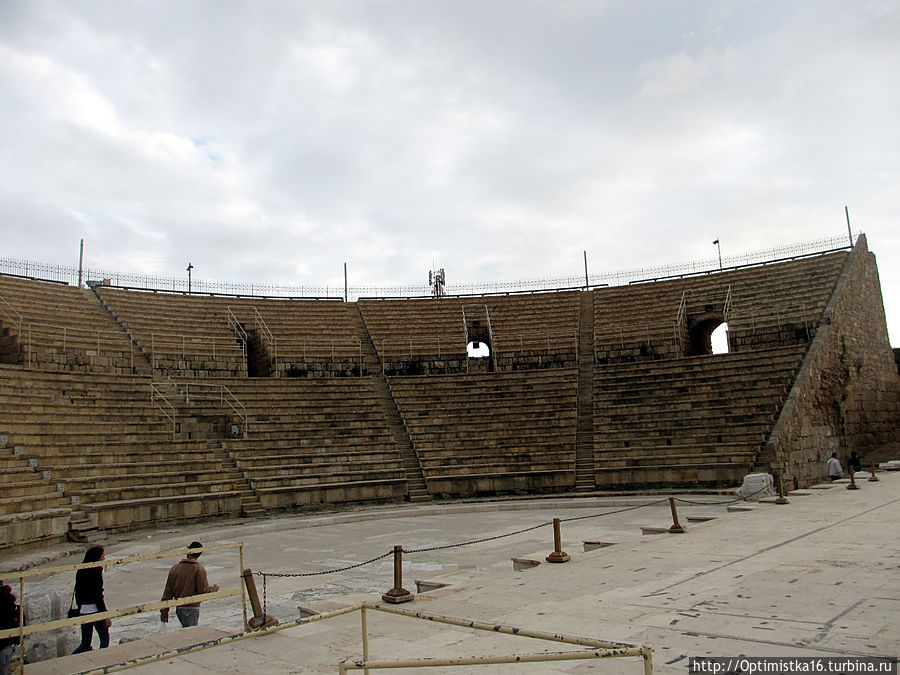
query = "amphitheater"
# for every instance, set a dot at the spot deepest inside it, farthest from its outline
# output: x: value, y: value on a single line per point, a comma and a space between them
x: 148, y: 410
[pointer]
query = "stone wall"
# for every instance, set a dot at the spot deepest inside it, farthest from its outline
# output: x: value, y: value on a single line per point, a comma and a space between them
x: 847, y: 394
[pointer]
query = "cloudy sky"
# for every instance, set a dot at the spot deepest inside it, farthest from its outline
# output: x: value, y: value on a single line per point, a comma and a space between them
x: 274, y: 141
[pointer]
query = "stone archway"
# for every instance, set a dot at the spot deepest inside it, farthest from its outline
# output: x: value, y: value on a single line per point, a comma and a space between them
x: 700, y: 330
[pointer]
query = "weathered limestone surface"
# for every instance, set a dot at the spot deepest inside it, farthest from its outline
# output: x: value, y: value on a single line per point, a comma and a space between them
x: 847, y: 394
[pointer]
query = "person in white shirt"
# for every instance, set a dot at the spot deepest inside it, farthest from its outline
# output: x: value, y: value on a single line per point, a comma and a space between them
x: 834, y: 468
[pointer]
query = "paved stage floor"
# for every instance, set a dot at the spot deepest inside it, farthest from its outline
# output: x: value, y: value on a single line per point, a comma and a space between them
x: 816, y: 577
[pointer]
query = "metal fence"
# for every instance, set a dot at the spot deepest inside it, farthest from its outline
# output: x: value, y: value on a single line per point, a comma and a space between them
x: 70, y: 275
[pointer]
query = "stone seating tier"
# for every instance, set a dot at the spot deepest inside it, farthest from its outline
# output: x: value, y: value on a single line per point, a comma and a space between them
x: 324, y: 438
x: 58, y: 330
x: 431, y: 331
x: 637, y: 322
x: 656, y: 420
x: 310, y: 338
x: 32, y: 526
x: 151, y: 511
x: 446, y: 414
x: 311, y: 496
x: 308, y: 437
x: 671, y: 475
x: 100, y: 440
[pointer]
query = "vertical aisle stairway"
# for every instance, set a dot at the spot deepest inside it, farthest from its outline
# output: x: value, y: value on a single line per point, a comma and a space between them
x: 418, y: 491
x: 584, y: 434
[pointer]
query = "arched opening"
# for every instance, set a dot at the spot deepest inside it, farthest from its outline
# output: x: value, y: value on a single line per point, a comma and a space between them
x: 700, y: 332
x: 478, y: 350
x: 719, y: 339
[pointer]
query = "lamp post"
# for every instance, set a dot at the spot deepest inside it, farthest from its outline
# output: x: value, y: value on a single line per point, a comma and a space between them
x: 719, y: 246
x: 189, y: 268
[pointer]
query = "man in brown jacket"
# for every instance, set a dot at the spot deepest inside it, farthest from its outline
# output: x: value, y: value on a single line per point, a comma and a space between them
x: 186, y: 578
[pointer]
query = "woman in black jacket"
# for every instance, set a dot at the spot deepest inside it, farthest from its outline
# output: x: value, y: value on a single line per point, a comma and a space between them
x: 89, y: 598
x: 9, y: 618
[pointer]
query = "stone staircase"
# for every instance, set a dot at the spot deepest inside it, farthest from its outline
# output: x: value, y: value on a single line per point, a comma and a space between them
x: 142, y: 364
x: 418, y: 490
x: 584, y: 431
x: 31, y: 509
x: 251, y: 505
x: 83, y: 529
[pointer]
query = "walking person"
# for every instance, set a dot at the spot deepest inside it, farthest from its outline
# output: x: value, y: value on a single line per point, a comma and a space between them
x: 834, y: 468
x: 186, y: 578
x: 89, y: 599
x: 9, y: 618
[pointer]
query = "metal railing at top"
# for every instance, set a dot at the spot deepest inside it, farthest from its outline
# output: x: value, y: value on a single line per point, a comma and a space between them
x: 69, y: 275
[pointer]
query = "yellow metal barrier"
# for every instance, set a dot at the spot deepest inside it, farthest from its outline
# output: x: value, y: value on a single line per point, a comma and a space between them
x: 595, y: 649
x: 31, y: 629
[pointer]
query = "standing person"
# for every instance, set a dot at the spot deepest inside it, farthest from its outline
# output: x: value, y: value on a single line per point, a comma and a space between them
x: 89, y: 598
x: 186, y: 578
x: 834, y: 468
x: 854, y: 464
x: 9, y: 618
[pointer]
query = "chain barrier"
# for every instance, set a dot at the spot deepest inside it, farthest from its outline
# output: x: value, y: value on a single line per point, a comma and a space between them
x: 323, y: 572
x: 732, y: 501
x: 470, y: 542
x: 444, y: 547
x: 611, y: 513
x: 476, y: 541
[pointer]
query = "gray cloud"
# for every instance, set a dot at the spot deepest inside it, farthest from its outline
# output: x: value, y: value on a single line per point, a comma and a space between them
x: 273, y: 141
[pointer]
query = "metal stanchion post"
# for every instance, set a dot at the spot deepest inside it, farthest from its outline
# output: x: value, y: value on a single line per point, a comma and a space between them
x: 677, y: 528
x: 873, y: 477
x: 558, y: 555
x: 781, y: 498
x: 398, y: 594
x: 260, y: 619
x: 853, y: 485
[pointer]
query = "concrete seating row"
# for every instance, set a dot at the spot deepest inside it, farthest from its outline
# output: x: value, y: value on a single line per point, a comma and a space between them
x: 314, y: 442
x: 181, y: 335
x: 768, y: 305
x: 698, y: 420
x: 525, y: 331
x: 31, y: 508
x: 495, y: 432
x: 62, y: 328
x: 109, y: 454
x: 210, y: 336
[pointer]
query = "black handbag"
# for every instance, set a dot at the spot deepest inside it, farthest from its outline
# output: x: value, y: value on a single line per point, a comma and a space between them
x: 73, y: 609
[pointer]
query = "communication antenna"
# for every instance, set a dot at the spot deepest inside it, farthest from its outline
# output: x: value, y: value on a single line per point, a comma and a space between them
x: 437, y: 280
